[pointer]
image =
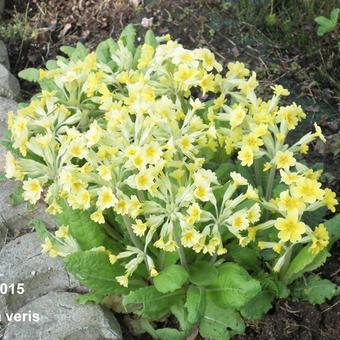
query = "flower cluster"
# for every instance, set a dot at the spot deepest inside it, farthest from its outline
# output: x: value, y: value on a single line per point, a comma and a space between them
x: 139, y: 137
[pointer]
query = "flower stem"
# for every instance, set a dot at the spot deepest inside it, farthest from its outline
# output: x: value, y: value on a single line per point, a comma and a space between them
x: 180, y: 250
x: 133, y: 237
x: 258, y: 178
x: 270, y: 183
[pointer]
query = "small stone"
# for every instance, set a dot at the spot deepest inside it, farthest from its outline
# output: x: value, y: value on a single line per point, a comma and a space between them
x: 61, y: 318
x: 18, y: 260
x: 3, y: 53
x: 9, y: 85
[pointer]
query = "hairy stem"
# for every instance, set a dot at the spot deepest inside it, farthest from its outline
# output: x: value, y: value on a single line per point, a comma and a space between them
x: 270, y: 183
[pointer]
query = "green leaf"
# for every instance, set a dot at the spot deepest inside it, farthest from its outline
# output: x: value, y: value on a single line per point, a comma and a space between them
x: 258, y: 306
x: 171, y: 278
x: 195, y: 303
x: 333, y: 227
x: 303, y: 262
x: 88, y: 233
x: 220, y: 323
x: 150, y: 39
x: 40, y: 228
x: 2, y: 178
x: 91, y: 297
x: 313, y: 218
x: 104, y: 50
x: 16, y: 196
x: 273, y: 285
x: 31, y: 74
x: 181, y: 315
x: 170, y: 334
x: 94, y: 270
x: 234, y: 287
x: 248, y: 258
x: 128, y: 37
x: 315, y: 290
x: 327, y: 24
x: 224, y: 170
x: 75, y: 53
x: 150, y: 303
x: 203, y: 273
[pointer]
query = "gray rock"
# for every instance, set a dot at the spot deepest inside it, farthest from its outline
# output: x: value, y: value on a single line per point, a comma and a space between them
x: 3, y: 53
x: 61, y: 318
x: 21, y: 261
x: 18, y: 217
x: 6, y: 105
x: 9, y: 85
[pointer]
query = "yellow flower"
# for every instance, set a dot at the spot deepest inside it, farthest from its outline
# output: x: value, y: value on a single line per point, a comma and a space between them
x: 308, y: 190
x: 170, y: 246
x: 320, y: 239
x: 153, y: 272
x: 280, y: 91
x: 98, y: 217
x: 254, y: 213
x: 152, y: 152
x: 203, y: 192
x: 267, y: 166
x: 246, y: 156
x: 289, y: 178
x: 190, y: 237
x: 144, y: 180
x: 12, y: 169
x: 104, y: 172
x: 237, y: 116
x: 145, y: 59
x: 239, y: 220
x: 123, y: 280
x: 106, y: 198
x: 113, y: 258
x: 185, y: 143
x: 330, y: 200
x: 54, y: 208
x: 304, y: 148
x: 318, y: 133
x: 238, y: 179
x: 289, y: 203
x: 134, y: 206
x: 48, y: 247
x: 252, y: 141
x: 237, y: 69
x: 194, y: 212
x: 32, y: 190
x: 284, y: 160
x: 139, y: 228
x: 122, y: 207
x: 63, y: 232
x: 290, y: 228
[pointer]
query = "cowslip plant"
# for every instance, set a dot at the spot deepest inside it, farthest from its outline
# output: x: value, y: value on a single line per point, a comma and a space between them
x: 173, y: 185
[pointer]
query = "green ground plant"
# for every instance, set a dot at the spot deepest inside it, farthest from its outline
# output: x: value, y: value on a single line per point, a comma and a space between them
x: 172, y: 184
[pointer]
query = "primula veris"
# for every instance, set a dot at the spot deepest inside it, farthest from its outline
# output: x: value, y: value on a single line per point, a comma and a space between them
x: 136, y: 140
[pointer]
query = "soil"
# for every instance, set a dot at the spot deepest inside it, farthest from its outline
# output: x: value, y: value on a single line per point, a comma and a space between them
x: 207, y: 23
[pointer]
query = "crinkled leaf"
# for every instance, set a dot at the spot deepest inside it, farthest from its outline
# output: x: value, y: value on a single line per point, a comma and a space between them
x: 150, y: 303
x: 30, y: 74
x: 315, y: 290
x: 203, y: 273
x: 94, y: 270
x: 128, y: 37
x: 181, y: 315
x: 273, y: 285
x: 16, y: 196
x: 40, y: 228
x: 220, y: 323
x: 150, y: 39
x: 248, y: 258
x: 88, y: 233
x: 333, y: 227
x: 313, y: 218
x: 169, y: 334
x: 303, y: 262
x: 327, y: 24
x: 258, y: 306
x: 195, y: 303
x: 171, y: 278
x: 234, y: 287
x: 75, y: 53
x: 105, y: 49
